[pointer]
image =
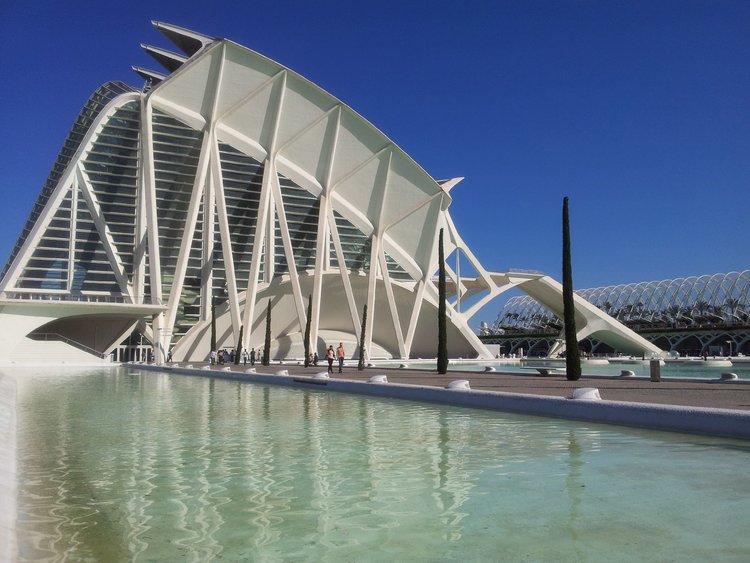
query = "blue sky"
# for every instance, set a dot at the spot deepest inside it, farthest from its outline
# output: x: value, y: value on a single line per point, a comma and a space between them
x: 639, y: 111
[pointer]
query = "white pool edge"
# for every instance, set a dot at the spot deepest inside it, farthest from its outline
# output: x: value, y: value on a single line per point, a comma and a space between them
x: 733, y: 423
x: 8, y: 476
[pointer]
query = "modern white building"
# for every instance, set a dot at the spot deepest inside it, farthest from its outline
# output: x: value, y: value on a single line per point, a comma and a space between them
x: 231, y: 180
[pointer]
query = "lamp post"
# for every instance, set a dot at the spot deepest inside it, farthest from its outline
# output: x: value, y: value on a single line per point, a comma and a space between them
x: 730, y: 347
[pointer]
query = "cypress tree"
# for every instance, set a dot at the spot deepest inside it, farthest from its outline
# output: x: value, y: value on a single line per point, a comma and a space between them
x: 442, y: 355
x: 572, y: 354
x: 307, y: 331
x: 361, y: 364
x: 213, y: 324
x: 238, y: 349
x: 267, y: 344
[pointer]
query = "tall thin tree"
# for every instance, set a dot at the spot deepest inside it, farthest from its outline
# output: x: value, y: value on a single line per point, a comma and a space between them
x: 307, y: 331
x: 267, y: 343
x: 238, y: 349
x: 213, y: 324
x: 442, y: 354
x: 362, y: 353
x: 572, y: 354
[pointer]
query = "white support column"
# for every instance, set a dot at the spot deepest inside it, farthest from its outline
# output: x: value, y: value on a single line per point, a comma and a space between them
x: 458, y: 279
x: 322, y: 252
x: 217, y: 186
x: 207, y: 260
x: 139, y: 250
x: 264, y: 208
x: 73, y: 232
x: 148, y: 185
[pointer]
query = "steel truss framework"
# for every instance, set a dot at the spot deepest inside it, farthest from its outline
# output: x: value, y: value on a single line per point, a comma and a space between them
x: 233, y: 180
x: 712, y: 302
x: 686, y: 343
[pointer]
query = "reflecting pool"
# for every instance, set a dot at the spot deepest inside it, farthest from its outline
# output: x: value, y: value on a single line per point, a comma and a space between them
x: 122, y: 465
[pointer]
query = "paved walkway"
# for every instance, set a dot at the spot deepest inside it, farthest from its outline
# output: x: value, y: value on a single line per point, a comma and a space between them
x: 698, y: 393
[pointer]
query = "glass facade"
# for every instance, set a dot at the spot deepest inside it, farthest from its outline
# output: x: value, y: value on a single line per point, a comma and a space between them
x: 91, y: 110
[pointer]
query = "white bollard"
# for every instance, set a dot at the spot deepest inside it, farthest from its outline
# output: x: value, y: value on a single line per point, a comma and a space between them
x: 586, y: 394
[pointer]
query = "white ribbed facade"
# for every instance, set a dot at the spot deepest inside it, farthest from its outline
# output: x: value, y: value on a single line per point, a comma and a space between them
x: 235, y: 180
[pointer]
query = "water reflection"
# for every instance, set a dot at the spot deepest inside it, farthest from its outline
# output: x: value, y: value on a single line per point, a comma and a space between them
x: 574, y: 485
x: 130, y: 466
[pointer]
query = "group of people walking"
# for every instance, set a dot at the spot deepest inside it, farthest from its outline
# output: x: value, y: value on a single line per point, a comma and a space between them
x: 225, y: 357
x: 339, y: 354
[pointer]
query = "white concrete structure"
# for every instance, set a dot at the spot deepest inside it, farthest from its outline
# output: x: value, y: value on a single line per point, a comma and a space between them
x: 235, y: 181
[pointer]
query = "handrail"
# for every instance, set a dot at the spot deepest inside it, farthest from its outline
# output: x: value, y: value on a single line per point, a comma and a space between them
x: 78, y: 298
x: 45, y: 336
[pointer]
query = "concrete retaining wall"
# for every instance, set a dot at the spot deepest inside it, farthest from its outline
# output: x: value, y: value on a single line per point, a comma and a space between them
x: 699, y: 420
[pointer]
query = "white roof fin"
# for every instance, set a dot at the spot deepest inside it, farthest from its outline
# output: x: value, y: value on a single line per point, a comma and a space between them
x: 189, y: 42
x: 447, y: 185
x: 169, y: 60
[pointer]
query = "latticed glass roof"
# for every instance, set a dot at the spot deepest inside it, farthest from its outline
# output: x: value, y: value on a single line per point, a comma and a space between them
x: 91, y: 109
x: 710, y: 300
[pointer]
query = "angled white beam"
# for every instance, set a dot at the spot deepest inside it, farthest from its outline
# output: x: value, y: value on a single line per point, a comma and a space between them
x: 164, y: 334
x: 189, y: 231
x: 414, y: 318
x: 379, y: 192
x: 105, y: 236
x: 344, y: 272
x: 289, y: 254
x: 226, y: 239
x: 359, y: 167
x: 372, y: 286
x: 262, y: 242
x: 249, y: 96
x: 392, y: 306
x: 467, y: 251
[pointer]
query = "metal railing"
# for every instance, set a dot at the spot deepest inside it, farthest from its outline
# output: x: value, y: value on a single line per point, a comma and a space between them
x: 55, y: 337
x: 79, y: 298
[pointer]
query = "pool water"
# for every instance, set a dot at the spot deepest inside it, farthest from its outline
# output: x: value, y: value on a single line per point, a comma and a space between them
x: 122, y: 465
